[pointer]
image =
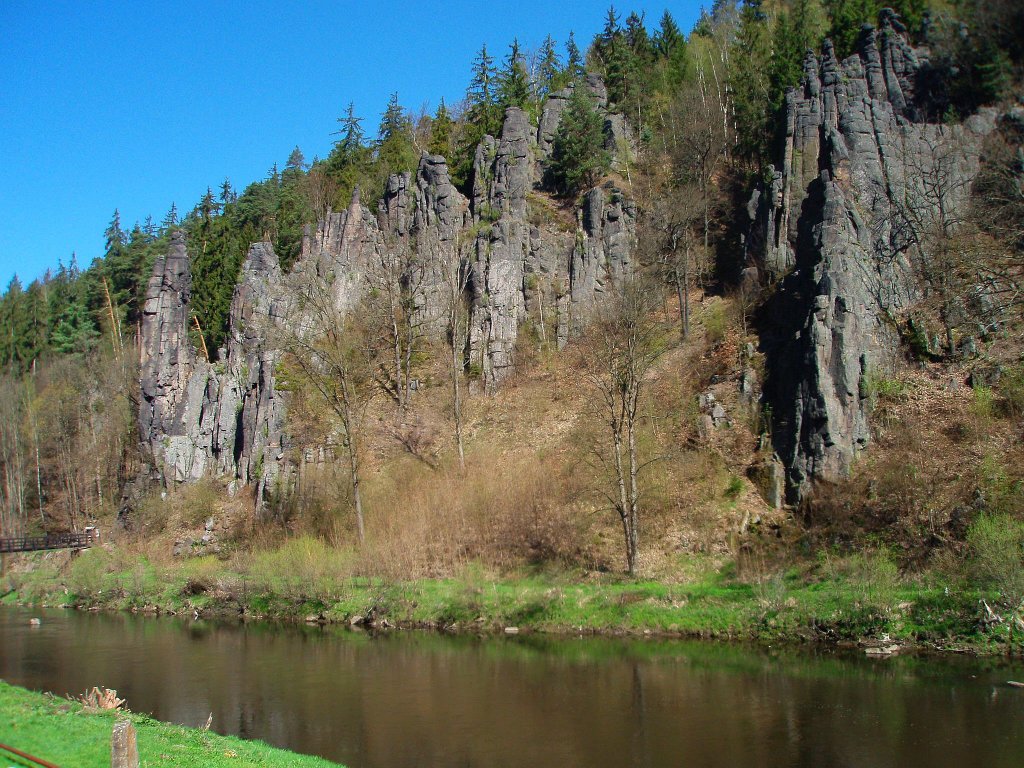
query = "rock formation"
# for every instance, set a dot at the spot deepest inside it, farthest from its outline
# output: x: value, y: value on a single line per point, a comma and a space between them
x: 521, y: 259
x: 175, y: 420
x: 839, y: 230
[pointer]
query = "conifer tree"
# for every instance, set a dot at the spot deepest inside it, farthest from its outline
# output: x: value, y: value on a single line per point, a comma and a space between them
x: 670, y: 46
x: 171, y: 219
x: 227, y: 194
x: 442, y: 128
x: 548, y: 70
x: 578, y: 157
x: 573, y: 59
x: 750, y: 82
x: 482, y: 94
x: 394, y: 146
x: 513, y: 81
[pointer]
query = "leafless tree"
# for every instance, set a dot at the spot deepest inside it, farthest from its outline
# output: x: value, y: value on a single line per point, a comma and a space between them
x: 620, y: 347
x: 395, y: 279
x: 453, y: 272
x: 700, y: 145
x: 927, y: 214
x: 332, y: 352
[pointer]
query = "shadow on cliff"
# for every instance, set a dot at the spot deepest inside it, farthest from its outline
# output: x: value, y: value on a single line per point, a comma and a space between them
x: 781, y: 321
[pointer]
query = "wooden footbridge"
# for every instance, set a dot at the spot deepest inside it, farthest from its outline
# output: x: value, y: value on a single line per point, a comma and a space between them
x: 87, y: 538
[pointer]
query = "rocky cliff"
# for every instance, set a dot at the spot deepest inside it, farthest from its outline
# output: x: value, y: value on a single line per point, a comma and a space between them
x: 510, y: 255
x: 839, y: 232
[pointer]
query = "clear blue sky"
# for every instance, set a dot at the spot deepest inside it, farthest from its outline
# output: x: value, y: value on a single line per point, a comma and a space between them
x: 133, y: 105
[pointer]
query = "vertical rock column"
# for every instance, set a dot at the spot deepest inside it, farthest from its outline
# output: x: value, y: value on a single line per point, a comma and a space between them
x: 178, y: 388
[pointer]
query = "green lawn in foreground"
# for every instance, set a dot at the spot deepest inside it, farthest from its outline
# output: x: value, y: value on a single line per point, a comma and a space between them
x: 61, y: 732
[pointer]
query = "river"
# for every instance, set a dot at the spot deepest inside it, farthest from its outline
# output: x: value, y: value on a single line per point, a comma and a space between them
x: 419, y: 699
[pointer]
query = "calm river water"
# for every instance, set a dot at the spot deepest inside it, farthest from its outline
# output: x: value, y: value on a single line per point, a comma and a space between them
x: 419, y: 699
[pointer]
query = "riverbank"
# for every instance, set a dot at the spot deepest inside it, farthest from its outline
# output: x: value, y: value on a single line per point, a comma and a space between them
x: 66, y: 733
x: 859, y: 601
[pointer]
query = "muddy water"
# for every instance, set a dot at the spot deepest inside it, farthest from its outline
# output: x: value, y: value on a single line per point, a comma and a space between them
x: 419, y: 699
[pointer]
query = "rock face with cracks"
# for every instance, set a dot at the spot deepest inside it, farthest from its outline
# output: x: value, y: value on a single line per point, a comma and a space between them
x: 509, y: 255
x: 862, y: 177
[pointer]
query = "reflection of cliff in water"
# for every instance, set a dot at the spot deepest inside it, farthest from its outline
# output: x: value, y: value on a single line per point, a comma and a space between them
x: 413, y: 699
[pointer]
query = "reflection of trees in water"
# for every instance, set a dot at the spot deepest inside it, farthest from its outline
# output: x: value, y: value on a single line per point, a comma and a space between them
x: 423, y: 700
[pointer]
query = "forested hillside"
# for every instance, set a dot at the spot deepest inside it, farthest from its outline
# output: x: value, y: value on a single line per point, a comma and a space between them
x: 733, y: 292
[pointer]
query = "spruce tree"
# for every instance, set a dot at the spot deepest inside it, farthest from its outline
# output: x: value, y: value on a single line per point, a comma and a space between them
x: 578, y: 157
x: 573, y: 59
x: 670, y: 46
x: 171, y: 219
x: 750, y: 83
x: 442, y: 128
x: 482, y: 94
x: 394, y: 146
x: 548, y: 69
x: 513, y: 81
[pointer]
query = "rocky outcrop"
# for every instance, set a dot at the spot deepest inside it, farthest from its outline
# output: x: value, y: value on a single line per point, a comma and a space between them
x: 502, y: 175
x: 839, y: 229
x: 526, y: 263
x: 603, y: 254
x: 176, y: 421
x: 617, y: 135
x: 506, y: 258
x: 440, y: 218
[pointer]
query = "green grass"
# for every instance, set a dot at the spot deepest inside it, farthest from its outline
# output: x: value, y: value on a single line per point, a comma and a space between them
x: 64, y: 733
x: 839, y: 598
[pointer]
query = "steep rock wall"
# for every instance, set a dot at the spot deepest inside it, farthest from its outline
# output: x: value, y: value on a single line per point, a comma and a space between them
x: 836, y: 230
x: 230, y: 418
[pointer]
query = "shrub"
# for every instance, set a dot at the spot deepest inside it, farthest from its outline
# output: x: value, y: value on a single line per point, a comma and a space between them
x: 984, y: 404
x: 734, y: 487
x: 997, y: 552
x: 1011, y: 389
x: 715, y: 323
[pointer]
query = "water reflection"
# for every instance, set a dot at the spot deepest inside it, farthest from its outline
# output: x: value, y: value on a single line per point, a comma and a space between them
x: 415, y: 699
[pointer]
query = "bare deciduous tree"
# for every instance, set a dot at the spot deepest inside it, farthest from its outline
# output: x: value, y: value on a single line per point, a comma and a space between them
x: 621, y: 346
x: 331, y: 351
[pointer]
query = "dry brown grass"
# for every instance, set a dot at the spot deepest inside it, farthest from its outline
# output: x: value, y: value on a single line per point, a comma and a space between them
x: 532, y: 492
x: 935, y: 439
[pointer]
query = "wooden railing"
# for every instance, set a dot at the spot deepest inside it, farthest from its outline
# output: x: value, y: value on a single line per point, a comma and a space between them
x: 49, y: 541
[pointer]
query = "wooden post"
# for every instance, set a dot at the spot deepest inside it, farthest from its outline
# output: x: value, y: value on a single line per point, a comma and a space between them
x: 124, y: 752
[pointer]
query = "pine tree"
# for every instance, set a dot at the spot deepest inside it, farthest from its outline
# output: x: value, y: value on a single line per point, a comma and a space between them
x: 797, y: 30
x: 442, y: 128
x: 750, y: 83
x: 573, y: 59
x: 296, y: 161
x: 482, y: 94
x: 513, y: 81
x: 670, y: 46
x: 637, y: 38
x: 227, y: 194
x: 394, y: 147
x: 578, y: 156
x: 350, y: 133
x: 171, y: 219
x: 548, y: 70
x: 846, y: 18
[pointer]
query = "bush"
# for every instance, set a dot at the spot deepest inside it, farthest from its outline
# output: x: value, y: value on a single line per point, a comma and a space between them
x: 1011, y: 390
x: 997, y: 552
x: 984, y: 404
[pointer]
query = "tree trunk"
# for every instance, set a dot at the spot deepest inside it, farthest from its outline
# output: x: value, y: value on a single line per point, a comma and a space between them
x: 456, y: 393
x: 353, y: 457
x: 624, y: 503
x: 634, y: 471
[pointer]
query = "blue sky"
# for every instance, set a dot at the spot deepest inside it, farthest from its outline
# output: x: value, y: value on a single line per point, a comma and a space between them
x: 133, y: 105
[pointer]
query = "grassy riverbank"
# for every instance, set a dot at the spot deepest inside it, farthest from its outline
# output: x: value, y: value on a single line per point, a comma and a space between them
x: 66, y: 733
x: 856, y: 598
